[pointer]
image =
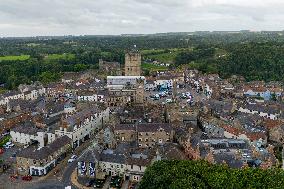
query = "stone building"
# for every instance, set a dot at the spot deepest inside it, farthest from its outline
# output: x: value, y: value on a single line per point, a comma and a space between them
x: 150, y: 134
x: 38, y: 162
x: 112, y: 68
x: 28, y: 133
x: 81, y: 125
x: 120, y: 95
x: 147, y: 134
x: 132, y: 64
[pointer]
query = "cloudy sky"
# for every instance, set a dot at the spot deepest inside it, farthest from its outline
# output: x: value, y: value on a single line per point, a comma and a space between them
x: 82, y: 17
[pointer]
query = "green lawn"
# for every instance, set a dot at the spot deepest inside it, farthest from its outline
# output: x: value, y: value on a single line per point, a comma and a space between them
x: 13, y: 58
x: 164, y: 57
x: 146, y: 52
x: 153, y: 67
x: 60, y: 56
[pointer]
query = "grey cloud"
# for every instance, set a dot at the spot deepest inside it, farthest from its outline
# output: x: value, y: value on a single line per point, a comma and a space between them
x: 61, y: 17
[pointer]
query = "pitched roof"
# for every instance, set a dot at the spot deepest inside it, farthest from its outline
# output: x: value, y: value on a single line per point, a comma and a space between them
x: 43, y: 153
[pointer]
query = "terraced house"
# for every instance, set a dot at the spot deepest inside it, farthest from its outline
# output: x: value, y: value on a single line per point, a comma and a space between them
x: 81, y: 125
x: 38, y: 162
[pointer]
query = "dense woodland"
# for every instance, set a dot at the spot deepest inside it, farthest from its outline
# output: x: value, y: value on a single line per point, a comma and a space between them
x: 201, y: 174
x: 256, y: 56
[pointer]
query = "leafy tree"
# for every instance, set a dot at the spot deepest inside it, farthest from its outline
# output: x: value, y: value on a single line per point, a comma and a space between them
x: 201, y: 174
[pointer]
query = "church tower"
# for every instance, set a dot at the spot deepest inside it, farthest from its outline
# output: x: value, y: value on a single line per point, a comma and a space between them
x: 133, y: 64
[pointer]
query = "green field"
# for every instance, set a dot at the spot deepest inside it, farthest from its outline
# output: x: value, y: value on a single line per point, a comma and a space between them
x: 60, y: 57
x: 13, y: 58
x: 147, y: 52
x: 153, y: 67
x: 163, y: 55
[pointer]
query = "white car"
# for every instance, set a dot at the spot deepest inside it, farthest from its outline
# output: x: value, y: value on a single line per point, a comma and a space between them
x: 169, y: 100
x: 8, y: 145
x: 72, y: 159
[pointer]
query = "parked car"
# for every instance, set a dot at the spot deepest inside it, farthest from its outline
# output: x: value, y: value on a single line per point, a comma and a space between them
x: 14, y: 177
x: 116, y: 182
x: 73, y: 158
x: 90, y: 183
x: 1, y: 150
x: 157, y: 97
x: 27, y: 178
x: 169, y: 100
x: 99, y: 183
x: 162, y: 94
x: 9, y: 145
x: 152, y: 96
x: 132, y: 185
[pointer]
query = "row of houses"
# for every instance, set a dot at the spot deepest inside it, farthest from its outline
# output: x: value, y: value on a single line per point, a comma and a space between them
x: 78, y: 126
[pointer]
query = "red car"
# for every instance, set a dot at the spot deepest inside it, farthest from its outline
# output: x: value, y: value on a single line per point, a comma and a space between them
x: 1, y: 150
x: 13, y: 177
x: 27, y: 178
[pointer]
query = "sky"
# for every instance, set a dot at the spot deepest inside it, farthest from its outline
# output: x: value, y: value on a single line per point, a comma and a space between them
x: 108, y: 17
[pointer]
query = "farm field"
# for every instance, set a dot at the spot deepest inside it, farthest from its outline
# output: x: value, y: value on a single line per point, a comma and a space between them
x: 163, y: 55
x: 60, y: 56
x: 13, y: 58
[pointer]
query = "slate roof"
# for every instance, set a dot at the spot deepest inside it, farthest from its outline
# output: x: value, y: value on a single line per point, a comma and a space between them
x: 113, y: 158
x: 43, y: 153
x: 80, y: 116
x: 262, y: 108
x: 11, y: 93
x: 153, y: 127
x: 125, y: 127
x: 27, y: 128
x: 229, y: 159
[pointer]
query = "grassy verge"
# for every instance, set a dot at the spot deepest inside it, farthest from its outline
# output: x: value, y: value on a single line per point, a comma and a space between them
x: 4, y: 140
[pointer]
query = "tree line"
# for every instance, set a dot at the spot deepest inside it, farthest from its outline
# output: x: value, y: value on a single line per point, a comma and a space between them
x: 201, y: 174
